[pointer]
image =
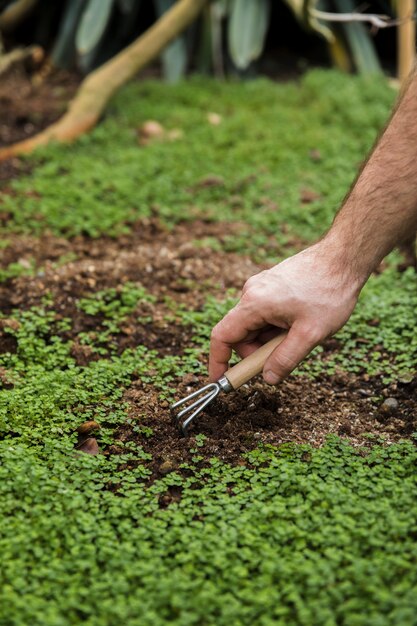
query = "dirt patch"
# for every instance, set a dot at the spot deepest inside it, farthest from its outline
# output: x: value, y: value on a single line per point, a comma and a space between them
x: 166, y: 263
x: 170, y: 263
x: 26, y: 106
x: 298, y: 411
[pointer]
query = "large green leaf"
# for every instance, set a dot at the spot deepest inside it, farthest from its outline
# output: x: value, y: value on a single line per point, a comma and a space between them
x: 174, y: 57
x: 359, y: 40
x: 248, y: 23
x: 93, y: 25
x: 63, y: 52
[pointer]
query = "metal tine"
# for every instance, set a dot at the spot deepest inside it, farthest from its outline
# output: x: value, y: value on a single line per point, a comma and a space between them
x: 199, y: 401
x: 199, y: 392
x: 203, y: 400
x: 187, y: 422
x: 212, y: 390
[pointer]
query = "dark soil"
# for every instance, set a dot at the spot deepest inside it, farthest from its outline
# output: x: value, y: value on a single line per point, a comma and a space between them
x: 168, y: 264
x: 28, y: 104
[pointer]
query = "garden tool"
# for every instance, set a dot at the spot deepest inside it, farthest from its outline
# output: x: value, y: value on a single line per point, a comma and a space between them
x: 192, y: 405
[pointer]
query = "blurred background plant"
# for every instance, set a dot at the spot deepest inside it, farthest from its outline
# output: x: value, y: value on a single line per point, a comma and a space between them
x: 230, y: 37
x: 110, y: 41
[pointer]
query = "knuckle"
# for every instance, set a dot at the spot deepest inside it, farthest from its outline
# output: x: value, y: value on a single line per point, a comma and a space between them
x: 217, y: 333
x: 248, y: 284
x: 311, y: 333
x: 283, y: 363
x: 252, y: 282
x: 221, y: 331
x: 255, y: 292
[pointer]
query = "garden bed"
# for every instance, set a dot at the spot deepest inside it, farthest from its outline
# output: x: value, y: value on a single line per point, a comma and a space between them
x: 292, y: 505
x: 177, y: 273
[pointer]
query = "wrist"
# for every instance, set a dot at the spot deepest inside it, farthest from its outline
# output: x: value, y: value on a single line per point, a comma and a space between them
x: 345, y: 261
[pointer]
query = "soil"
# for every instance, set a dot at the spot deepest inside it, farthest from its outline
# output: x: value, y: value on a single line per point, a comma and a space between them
x: 28, y: 104
x: 168, y: 263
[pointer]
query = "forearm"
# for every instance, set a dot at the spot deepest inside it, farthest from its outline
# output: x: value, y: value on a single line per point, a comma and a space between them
x: 313, y: 293
x: 381, y: 208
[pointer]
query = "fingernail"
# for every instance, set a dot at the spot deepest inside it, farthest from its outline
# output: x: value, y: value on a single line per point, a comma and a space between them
x: 271, y: 378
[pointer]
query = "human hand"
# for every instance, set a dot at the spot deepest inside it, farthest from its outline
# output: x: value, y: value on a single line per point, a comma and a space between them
x: 311, y: 294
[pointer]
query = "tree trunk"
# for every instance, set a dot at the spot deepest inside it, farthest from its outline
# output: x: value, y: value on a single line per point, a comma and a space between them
x: 95, y: 91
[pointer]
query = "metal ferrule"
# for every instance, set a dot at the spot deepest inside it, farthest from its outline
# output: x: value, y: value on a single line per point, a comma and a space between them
x: 225, y: 384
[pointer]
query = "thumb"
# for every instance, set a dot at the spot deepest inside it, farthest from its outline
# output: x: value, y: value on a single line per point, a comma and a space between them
x: 296, y: 346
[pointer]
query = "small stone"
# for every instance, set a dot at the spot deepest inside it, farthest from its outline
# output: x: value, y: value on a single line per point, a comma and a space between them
x: 151, y: 128
x: 257, y: 436
x: 214, y: 118
x: 150, y: 131
x: 186, y: 251
x: 89, y: 446
x: 389, y: 406
x: 387, y: 409
x: 87, y: 427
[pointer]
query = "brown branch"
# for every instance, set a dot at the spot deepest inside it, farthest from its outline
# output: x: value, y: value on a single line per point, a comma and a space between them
x: 20, y: 56
x: 406, y: 47
x: 95, y: 91
x: 15, y: 13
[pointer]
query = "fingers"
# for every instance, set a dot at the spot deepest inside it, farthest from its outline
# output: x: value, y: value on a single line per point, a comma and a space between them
x: 244, y: 349
x: 299, y: 342
x: 237, y: 329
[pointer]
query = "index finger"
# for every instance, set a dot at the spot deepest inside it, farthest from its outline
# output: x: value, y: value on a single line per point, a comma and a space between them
x: 236, y: 327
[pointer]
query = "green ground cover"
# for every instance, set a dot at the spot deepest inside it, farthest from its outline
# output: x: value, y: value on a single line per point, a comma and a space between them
x: 261, y: 151
x: 296, y: 536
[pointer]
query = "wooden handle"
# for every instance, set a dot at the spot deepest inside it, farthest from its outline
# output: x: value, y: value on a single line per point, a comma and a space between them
x: 406, y: 38
x: 239, y: 374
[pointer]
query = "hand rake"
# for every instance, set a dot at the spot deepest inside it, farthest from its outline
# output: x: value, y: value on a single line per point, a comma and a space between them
x: 235, y: 377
